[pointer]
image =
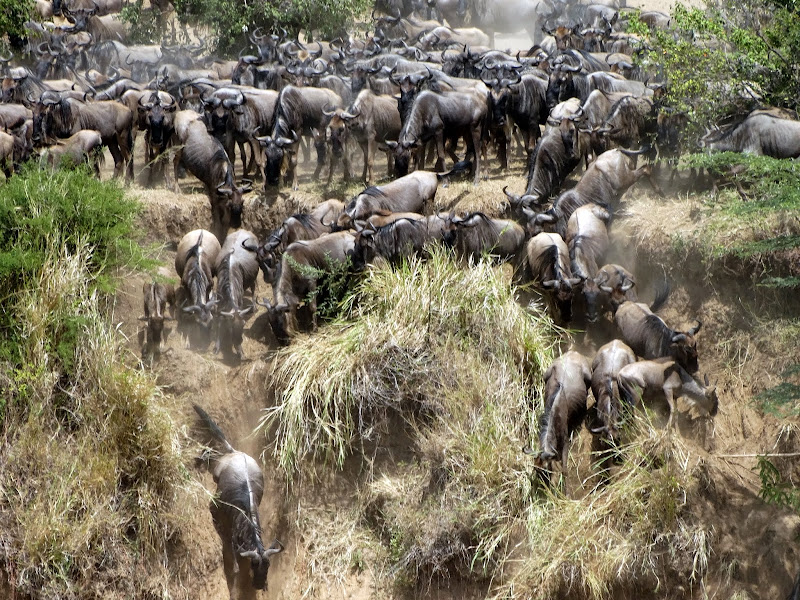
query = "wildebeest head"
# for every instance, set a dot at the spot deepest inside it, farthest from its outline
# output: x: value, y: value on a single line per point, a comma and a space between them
x: 233, y: 199
x: 259, y: 563
x: 402, y: 152
x: 337, y: 128
x: 560, y: 85
x: 279, y: 317
x: 236, y: 318
x: 563, y: 289
x: 686, y: 348
x: 158, y: 117
x: 274, y: 150
x: 617, y: 293
x: 203, y: 312
x: 80, y: 17
x: 499, y: 97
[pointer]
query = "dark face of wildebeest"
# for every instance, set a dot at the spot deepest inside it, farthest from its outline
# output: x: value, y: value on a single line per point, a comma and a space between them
x: 274, y: 152
x: 402, y: 153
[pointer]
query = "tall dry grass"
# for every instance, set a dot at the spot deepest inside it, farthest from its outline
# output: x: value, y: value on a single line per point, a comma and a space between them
x: 91, y: 469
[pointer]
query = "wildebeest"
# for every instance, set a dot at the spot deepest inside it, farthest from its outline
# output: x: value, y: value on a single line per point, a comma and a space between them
x: 234, y: 511
x: 298, y: 111
x: 760, y: 134
x: 587, y: 240
x: 295, y: 281
x: 237, y: 270
x: 553, y: 159
x: 156, y: 297
x: 195, y: 261
x: 303, y: 226
x: 567, y: 383
x: 204, y: 157
x: 665, y: 380
x: 604, y: 183
x: 156, y: 115
x: 396, y: 241
x: 521, y: 99
x: 476, y: 234
x: 411, y: 193
x: 548, y: 261
x: 442, y: 36
x: 440, y: 116
x: 618, y: 283
x: 84, y: 146
x: 101, y: 28
x: 368, y: 120
x: 606, y: 365
x: 650, y: 337
x: 64, y: 117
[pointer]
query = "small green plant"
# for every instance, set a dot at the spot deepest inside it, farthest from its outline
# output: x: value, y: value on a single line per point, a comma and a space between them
x: 13, y: 14
x: 333, y: 283
x: 783, y: 400
x: 774, y: 488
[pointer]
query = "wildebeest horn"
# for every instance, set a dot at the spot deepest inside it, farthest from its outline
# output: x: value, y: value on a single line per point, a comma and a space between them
x: 251, y: 554
x: 640, y: 151
x: 328, y: 113
x: 349, y: 115
x: 629, y: 283
x: 693, y: 331
x: 318, y: 53
x: 678, y: 337
x: 604, y: 288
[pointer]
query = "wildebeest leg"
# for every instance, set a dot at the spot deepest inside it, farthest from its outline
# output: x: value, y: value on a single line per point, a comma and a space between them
x: 113, y: 147
x: 129, y: 172
x: 439, y: 152
x: 243, y: 152
x: 389, y: 164
x: 476, y: 143
x: 176, y: 160
x: 368, y: 150
x: 293, y: 169
x: 668, y: 394
x: 346, y: 161
x: 334, y: 160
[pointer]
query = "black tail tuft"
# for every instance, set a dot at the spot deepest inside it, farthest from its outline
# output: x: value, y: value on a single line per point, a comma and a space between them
x: 214, y: 428
x: 662, y: 293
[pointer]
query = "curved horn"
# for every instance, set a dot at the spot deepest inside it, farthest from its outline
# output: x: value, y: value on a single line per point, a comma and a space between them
x: 693, y: 331
x: 328, y: 113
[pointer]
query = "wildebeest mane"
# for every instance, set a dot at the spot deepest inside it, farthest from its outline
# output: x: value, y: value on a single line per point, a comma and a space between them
x: 230, y: 287
x: 371, y: 192
x: 547, y: 259
x: 288, y: 112
x: 591, y: 248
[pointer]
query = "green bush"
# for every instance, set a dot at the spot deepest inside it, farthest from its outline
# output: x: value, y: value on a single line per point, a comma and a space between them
x: 40, y: 210
x: 13, y: 14
x: 231, y: 20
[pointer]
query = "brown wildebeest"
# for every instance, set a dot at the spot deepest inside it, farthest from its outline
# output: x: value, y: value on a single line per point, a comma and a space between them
x: 567, y: 383
x: 548, y: 260
x: 665, y: 380
x: 606, y: 365
x: 195, y: 262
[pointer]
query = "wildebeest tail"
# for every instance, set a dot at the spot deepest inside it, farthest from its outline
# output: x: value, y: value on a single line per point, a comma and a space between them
x: 662, y: 293
x: 213, y: 428
x: 462, y: 168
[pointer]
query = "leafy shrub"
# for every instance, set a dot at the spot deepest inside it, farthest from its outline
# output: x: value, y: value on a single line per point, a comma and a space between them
x: 13, y: 14
x: 231, y: 20
x: 40, y: 210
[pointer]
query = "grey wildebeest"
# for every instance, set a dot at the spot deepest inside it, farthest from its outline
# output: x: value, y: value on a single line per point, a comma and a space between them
x: 204, y: 157
x: 606, y: 365
x: 156, y: 297
x: 237, y: 270
x: 85, y: 146
x: 397, y: 240
x: 64, y: 117
x: 587, y: 240
x: 618, y: 283
x: 294, y: 282
x: 554, y: 157
x: 665, y: 380
x: 234, y: 511
x: 302, y: 226
x: 476, y: 234
x: 368, y: 120
x: 440, y: 117
x: 411, y: 193
x: 195, y: 262
x: 650, y: 337
x: 567, y: 383
x: 604, y: 183
x: 548, y: 261
x: 520, y: 99
x: 298, y: 111
x: 760, y: 134
x: 156, y: 116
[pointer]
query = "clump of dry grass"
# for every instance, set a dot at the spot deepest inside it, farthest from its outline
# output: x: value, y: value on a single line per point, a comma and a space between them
x: 91, y: 465
x: 449, y: 355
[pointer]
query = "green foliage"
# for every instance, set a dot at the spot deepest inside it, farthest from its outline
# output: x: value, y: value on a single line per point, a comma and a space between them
x: 783, y: 400
x: 13, y: 14
x: 775, y: 489
x: 725, y: 60
x: 146, y: 26
x: 333, y: 283
x: 40, y: 210
x: 231, y: 20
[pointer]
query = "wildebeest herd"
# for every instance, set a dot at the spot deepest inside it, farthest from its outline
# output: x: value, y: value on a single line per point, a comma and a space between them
x: 412, y: 87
